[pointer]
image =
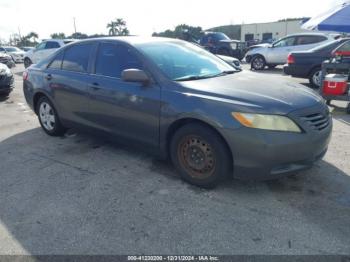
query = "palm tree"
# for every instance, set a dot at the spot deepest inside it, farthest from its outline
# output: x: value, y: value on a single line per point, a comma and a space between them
x: 33, y: 35
x: 117, y: 27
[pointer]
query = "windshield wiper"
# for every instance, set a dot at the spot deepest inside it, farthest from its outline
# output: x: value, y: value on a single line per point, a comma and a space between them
x: 190, y: 78
x: 198, y: 77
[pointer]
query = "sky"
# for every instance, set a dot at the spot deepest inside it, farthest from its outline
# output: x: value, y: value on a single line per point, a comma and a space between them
x: 144, y: 17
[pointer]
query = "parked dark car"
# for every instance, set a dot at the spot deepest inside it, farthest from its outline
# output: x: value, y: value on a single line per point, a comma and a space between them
x: 177, y: 99
x: 219, y: 43
x: 307, y: 64
x: 6, y: 80
x: 7, y: 60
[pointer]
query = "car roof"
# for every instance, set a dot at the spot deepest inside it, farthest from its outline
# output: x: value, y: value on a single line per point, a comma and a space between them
x: 133, y: 39
x: 308, y: 34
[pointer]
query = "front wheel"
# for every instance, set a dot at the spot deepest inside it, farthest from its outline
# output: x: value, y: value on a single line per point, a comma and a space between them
x: 258, y: 63
x: 200, y: 155
x: 48, y: 118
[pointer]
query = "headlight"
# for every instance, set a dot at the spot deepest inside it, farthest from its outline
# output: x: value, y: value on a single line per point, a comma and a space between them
x: 267, y: 122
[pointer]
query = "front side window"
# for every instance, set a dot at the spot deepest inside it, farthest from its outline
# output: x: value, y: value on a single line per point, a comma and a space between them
x: 112, y: 59
x: 285, y: 42
x: 56, y: 63
x: 41, y: 46
x: 76, y: 58
x: 182, y: 61
x: 51, y: 45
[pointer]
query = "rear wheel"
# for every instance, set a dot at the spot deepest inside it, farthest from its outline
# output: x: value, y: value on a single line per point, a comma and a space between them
x: 258, y: 62
x: 200, y: 155
x: 315, y: 78
x: 27, y: 62
x: 48, y: 118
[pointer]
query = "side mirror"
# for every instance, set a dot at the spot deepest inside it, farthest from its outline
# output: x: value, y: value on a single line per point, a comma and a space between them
x: 135, y: 75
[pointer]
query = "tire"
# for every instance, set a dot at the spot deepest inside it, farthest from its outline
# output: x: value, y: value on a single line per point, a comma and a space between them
x: 200, y: 155
x: 48, y: 118
x: 258, y: 63
x: 315, y: 73
x: 27, y: 62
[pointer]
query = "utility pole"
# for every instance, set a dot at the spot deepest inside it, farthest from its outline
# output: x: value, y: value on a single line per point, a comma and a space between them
x: 19, y: 33
x: 75, y: 27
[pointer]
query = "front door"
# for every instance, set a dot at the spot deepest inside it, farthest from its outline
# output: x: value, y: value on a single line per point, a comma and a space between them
x: 126, y: 109
x: 278, y: 53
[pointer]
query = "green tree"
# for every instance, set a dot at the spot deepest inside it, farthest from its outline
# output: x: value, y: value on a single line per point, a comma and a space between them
x: 183, y: 31
x: 58, y: 36
x: 32, y: 36
x: 78, y: 35
x: 117, y: 27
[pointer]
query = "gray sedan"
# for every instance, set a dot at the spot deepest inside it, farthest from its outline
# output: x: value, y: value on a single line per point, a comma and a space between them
x: 179, y: 101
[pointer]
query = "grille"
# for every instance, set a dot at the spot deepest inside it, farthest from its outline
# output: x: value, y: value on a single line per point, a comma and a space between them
x: 317, y: 121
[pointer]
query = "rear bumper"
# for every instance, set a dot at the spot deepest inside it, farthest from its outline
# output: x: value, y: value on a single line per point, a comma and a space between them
x: 264, y: 155
x: 296, y: 71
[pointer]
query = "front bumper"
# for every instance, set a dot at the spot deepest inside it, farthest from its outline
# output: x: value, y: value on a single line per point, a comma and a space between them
x: 264, y: 155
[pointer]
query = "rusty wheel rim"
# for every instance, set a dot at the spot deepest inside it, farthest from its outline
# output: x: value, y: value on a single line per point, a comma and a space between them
x: 196, y: 156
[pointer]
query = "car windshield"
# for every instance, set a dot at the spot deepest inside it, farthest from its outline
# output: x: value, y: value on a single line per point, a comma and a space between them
x: 329, y: 45
x: 181, y: 61
x: 12, y: 49
x: 221, y: 36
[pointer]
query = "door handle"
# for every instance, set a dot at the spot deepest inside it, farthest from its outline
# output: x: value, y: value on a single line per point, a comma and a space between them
x: 48, y: 77
x: 95, y: 86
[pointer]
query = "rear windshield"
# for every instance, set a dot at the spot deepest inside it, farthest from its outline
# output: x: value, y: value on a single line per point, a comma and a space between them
x: 329, y: 45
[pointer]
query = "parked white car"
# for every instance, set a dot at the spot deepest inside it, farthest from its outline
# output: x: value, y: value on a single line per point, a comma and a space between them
x: 43, y: 50
x: 277, y: 53
x: 16, y: 53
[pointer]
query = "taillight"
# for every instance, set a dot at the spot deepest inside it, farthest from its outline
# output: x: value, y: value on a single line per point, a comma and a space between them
x: 290, y: 59
x: 341, y: 53
x: 25, y: 75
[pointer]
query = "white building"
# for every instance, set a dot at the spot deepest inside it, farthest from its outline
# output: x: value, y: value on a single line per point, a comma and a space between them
x: 270, y: 31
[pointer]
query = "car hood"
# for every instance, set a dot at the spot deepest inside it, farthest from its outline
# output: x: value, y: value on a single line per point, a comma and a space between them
x: 254, y: 92
x: 2, y: 54
x: 18, y: 53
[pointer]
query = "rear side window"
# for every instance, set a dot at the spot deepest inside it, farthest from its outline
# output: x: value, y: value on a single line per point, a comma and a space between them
x: 76, y: 58
x: 51, y: 45
x: 112, y: 59
x: 310, y: 39
x: 56, y: 63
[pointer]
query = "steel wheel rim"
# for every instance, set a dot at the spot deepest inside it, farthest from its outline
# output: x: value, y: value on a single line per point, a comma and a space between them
x: 316, y: 78
x: 197, y: 157
x: 258, y: 63
x: 47, y: 116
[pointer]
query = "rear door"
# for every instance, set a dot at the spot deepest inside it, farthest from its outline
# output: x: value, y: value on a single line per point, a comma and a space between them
x: 126, y: 109
x: 67, y: 77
